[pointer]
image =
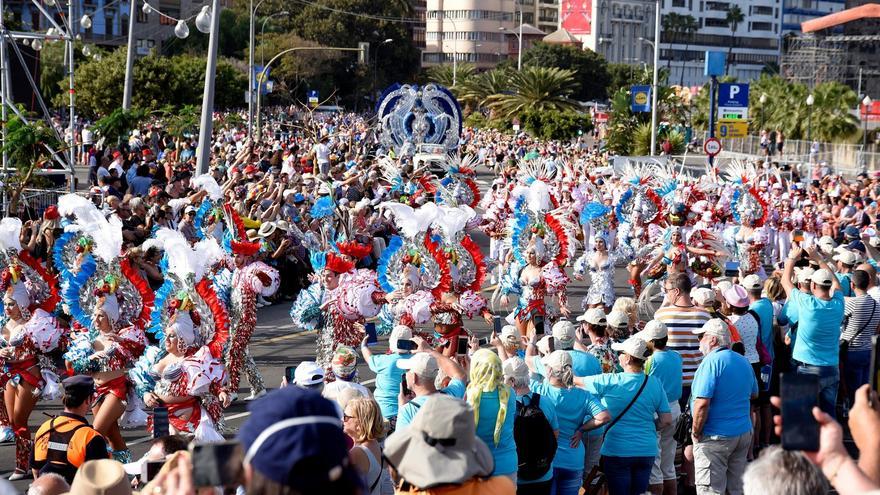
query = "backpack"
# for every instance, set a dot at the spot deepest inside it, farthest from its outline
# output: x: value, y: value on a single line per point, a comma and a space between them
x: 535, y: 442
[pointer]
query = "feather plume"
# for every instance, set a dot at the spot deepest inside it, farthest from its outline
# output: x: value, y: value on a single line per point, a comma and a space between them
x: 107, y: 234
x: 451, y: 221
x: 538, y: 197
x: 184, y: 260
x: 10, y: 230
x: 206, y: 182
x: 412, y: 222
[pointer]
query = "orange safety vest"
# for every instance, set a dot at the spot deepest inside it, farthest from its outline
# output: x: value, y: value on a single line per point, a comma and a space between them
x: 63, y: 440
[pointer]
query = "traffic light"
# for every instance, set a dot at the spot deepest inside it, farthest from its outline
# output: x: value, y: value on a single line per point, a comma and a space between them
x: 364, y: 53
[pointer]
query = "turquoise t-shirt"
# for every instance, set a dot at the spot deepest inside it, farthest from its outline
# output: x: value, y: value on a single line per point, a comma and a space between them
x: 634, y: 434
x: 764, y: 308
x: 506, y: 461
x: 574, y: 407
x: 666, y: 366
x: 818, y: 333
x: 550, y: 413
x: 408, y: 411
x: 845, y: 280
x: 388, y: 377
x: 727, y: 379
x: 582, y: 364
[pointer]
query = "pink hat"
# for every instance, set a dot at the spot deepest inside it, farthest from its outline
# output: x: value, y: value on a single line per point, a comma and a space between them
x: 736, y: 296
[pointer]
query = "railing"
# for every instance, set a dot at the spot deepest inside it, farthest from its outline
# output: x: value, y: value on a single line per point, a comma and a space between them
x: 33, y: 202
x: 845, y: 159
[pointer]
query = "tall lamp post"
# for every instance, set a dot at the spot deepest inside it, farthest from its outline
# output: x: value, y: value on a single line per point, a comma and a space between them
x: 252, y: 13
x: 763, y: 100
x: 810, y: 101
x: 263, y: 29
x: 655, y: 84
x: 519, y: 38
x: 454, y: 48
x: 867, y: 103
x: 208, y: 22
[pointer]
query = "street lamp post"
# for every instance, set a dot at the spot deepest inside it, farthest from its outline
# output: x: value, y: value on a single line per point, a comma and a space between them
x: 654, y: 86
x: 129, y: 57
x: 810, y: 101
x: 262, y: 31
x: 212, y: 25
x: 867, y: 103
x: 518, y: 39
x: 454, y: 48
x: 252, y: 13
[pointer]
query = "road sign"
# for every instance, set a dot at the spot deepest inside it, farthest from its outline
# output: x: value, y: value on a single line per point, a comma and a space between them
x: 641, y: 99
x: 712, y: 146
x: 732, y: 128
x: 733, y: 101
x: 313, y: 98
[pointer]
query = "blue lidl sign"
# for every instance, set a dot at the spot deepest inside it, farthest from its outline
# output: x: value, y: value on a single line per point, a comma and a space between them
x: 640, y: 99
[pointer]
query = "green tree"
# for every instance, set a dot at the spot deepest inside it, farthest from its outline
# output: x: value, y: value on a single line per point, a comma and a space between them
x: 234, y: 34
x: 27, y: 146
x: 622, y: 123
x: 476, y: 90
x: 672, y: 23
x: 556, y: 125
x: 157, y: 82
x: 733, y: 18
x: 626, y: 75
x: 116, y: 125
x: 538, y: 89
x: 590, y: 70
x: 445, y: 74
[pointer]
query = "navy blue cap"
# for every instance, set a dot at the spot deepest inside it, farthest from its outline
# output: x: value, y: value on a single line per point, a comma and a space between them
x: 79, y: 383
x: 294, y: 437
x: 851, y: 231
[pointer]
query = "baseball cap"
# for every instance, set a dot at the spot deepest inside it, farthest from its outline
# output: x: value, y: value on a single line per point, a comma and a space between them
x: 294, y: 437
x: 421, y: 363
x: 308, y: 374
x: 736, y: 296
x: 398, y: 333
x: 703, y: 295
x: 653, y: 330
x: 634, y: 346
x: 79, y: 383
x: 189, y: 209
x: 510, y: 334
x: 822, y: 277
x: 617, y: 319
x: 846, y: 257
x: 826, y: 242
x: 557, y: 360
x: 851, y: 232
x: 515, y: 367
x: 804, y: 274
x: 752, y: 282
x: 715, y: 326
x: 563, y: 333
x: 594, y: 316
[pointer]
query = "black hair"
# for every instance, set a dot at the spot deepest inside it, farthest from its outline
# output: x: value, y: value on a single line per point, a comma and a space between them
x: 661, y: 343
x: 173, y: 443
x: 75, y: 397
x: 860, y: 279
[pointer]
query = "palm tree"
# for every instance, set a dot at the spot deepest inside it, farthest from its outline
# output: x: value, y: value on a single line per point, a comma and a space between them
x: 117, y: 124
x: 689, y: 27
x: 27, y: 146
x: 539, y: 89
x: 672, y: 23
x: 444, y: 75
x: 734, y: 17
x: 476, y: 90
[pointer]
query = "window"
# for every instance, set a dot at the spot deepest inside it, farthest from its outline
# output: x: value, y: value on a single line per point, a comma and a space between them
x: 760, y: 10
x: 142, y: 17
x: 760, y: 26
x: 678, y: 3
x: 713, y: 22
x: 717, y: 6
x: 143, y: 47
x: 108, y: 26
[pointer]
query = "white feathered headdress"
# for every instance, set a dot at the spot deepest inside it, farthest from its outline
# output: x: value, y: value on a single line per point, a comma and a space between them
x: 410, y: 221
x: 10, y: 232
x: 106, y: 234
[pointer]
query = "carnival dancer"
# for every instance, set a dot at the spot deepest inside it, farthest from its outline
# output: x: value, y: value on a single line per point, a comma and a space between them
x: 539, y: 249
x: 454, y: 248
x: 186, y: 372
x: 750, y: 212
x: 28, y: 333
x: 110, y: 304
x: 600, y: 265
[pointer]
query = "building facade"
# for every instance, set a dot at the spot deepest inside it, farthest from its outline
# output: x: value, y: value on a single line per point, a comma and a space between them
x: 110, y: 21
x: 794, y: 12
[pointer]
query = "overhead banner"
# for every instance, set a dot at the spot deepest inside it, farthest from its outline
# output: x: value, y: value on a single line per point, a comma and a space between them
x: 577, y: 16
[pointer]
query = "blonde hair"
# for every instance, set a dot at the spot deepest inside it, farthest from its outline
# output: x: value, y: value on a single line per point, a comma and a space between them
x: 773, y: 289
x: 626, y: 305
x: 369, y: 419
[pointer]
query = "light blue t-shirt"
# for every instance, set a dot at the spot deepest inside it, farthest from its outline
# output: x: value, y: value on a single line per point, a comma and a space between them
x: 666, y: 365
x: 550, y: 413
x: 764, y: 308
x: 506, y: 460
x: 845, y: 280
x: 574, y: 407
x: 725, y: 378
x: 818, y: 328
x: 408, y: 411
x: 634, y: 434
x: 582, y: 364
x: 388, y: 377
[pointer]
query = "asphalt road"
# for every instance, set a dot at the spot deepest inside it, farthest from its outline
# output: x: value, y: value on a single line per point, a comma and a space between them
x: 276, y: 344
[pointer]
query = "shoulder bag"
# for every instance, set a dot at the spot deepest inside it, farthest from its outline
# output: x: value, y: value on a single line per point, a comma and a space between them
x: 596, y: 483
